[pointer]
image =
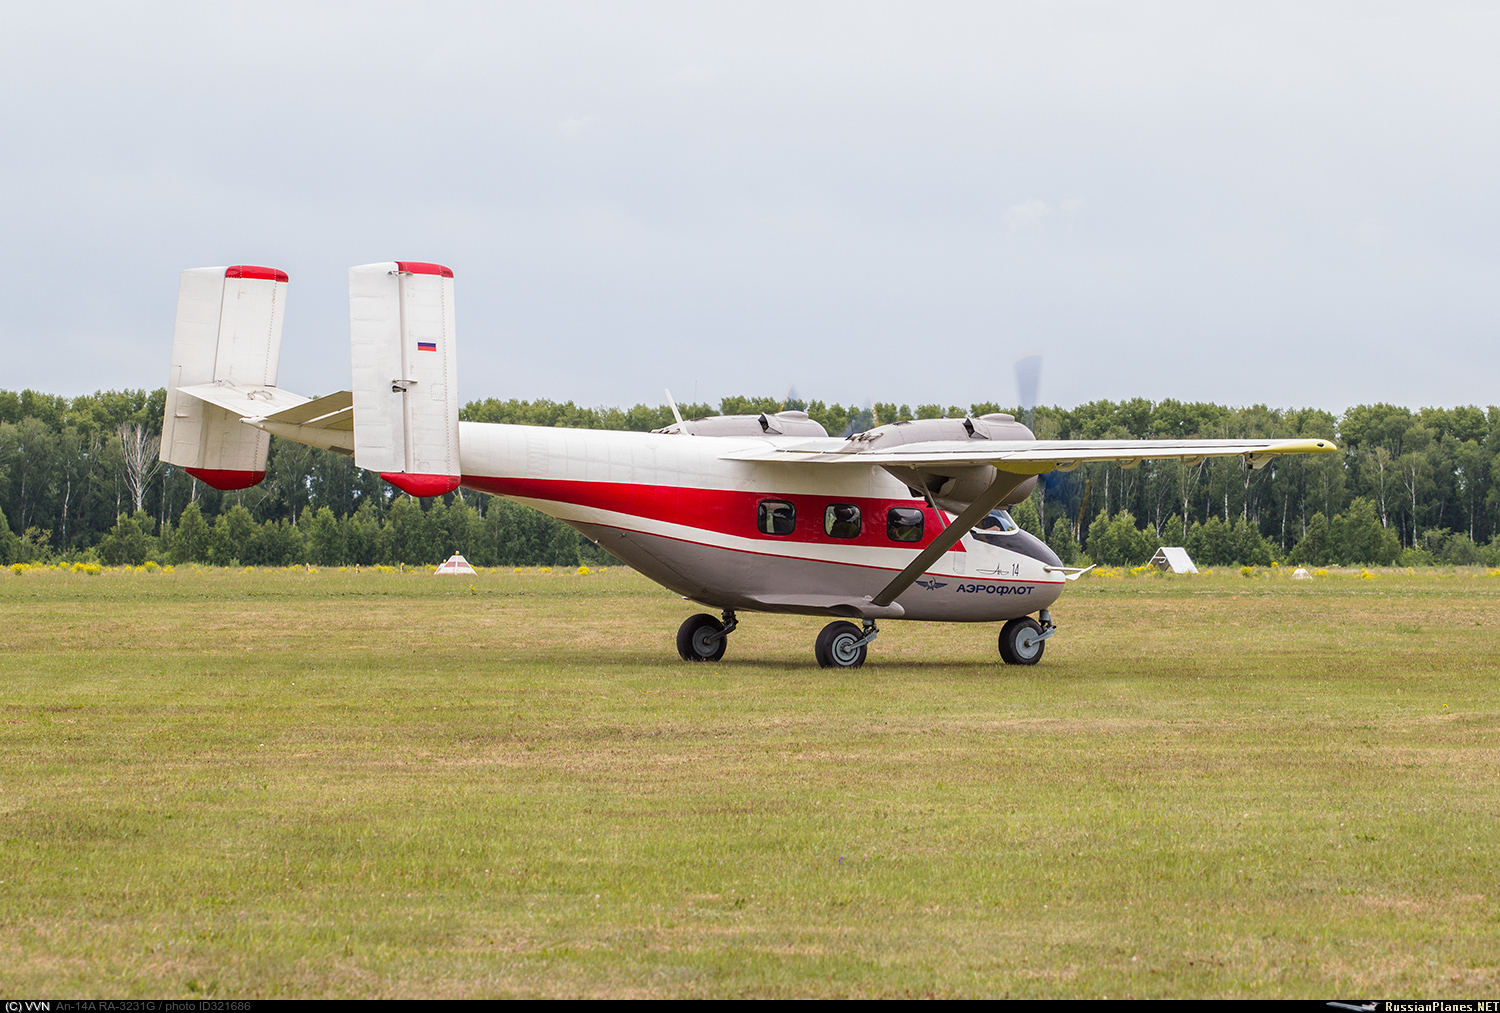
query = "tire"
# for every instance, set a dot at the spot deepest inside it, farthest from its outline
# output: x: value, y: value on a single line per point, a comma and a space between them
x: 1021, y: 643
x: 696, y: 640
x: 835, y: 647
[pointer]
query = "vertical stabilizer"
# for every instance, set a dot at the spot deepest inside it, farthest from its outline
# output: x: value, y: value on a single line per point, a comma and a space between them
x: 228, y: 332
x: 401, y: 328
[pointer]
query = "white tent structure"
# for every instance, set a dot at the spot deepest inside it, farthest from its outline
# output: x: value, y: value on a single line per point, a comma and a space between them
x: 1174, y: 559
x: 454, y: 564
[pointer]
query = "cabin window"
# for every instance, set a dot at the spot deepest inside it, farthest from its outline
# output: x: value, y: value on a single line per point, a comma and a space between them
x: 841, y: 520
x: 904, y: 524
x: 776, y: 517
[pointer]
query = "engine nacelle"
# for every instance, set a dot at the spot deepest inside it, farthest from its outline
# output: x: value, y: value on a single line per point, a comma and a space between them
x: 788, y: 423
x: 998, y: 426
x: 952, y: 489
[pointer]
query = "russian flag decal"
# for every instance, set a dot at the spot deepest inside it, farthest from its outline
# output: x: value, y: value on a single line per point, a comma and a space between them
x: 427, y: 346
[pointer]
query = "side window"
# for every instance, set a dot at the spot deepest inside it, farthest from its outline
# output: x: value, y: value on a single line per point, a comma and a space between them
x: 841, y: 520
x: 776, y: 517
x: 904, y: 524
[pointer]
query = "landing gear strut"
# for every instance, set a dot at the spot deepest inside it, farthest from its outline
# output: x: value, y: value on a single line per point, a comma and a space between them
x: 703, y: 638
x: 844, y: 645
x: 1023, y: 640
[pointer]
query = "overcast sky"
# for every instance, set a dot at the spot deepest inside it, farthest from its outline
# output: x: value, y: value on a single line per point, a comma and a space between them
x: 1293, y: 203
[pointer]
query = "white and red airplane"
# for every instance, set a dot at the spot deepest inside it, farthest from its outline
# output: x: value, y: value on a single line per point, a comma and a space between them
x: 741, y: 513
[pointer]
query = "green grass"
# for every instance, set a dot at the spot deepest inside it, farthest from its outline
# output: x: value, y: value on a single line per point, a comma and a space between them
x: 285, y: 783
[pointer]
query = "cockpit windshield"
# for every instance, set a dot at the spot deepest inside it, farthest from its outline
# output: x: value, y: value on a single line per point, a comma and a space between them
x: 994, y: 526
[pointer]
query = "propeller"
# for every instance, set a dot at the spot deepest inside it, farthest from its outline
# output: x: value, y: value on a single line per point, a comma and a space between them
x: 862, y: 421
x: 1028, y: 382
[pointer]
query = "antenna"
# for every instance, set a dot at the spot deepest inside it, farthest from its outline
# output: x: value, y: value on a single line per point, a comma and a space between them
x: 675, y: 413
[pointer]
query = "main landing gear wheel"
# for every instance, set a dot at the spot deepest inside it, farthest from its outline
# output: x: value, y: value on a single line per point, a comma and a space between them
x: 1022, y: 642
x: 843, y: 645
x: 703, y: 638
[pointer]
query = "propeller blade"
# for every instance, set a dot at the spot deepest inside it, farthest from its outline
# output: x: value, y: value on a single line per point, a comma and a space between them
x: 861, y: 422
x: 1028, y: 379
x: 1028, y: 384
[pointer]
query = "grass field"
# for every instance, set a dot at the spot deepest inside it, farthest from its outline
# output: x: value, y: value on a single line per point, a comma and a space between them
x: 284, y: 783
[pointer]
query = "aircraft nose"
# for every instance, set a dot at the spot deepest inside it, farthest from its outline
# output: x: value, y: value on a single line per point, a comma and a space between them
x: 1028, y: 544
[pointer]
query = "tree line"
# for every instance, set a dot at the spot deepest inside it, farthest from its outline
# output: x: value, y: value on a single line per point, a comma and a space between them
x: 79, y: 480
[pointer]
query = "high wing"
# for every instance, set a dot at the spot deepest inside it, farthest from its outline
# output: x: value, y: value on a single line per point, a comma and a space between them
x: 1012, y: 460
x: 1027, y: 457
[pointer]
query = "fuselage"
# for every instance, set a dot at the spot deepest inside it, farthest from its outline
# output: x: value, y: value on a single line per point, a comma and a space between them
x: 720, y: 532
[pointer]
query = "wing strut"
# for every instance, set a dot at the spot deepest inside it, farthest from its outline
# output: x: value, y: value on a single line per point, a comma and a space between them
x: 1004, y: 483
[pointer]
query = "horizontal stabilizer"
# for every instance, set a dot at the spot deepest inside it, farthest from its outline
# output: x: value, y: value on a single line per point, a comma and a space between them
x: 245, y: 401
x: 326, y: 422
x: 332, y: 411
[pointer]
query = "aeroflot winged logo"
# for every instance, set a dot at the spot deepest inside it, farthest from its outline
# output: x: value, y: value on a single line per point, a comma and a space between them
x: 932, y: 585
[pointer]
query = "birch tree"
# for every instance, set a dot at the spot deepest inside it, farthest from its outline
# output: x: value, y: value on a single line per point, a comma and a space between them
x: 139, y: 450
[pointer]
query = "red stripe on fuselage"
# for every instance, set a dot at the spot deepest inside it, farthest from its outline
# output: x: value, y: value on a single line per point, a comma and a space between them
x: 724, y: 511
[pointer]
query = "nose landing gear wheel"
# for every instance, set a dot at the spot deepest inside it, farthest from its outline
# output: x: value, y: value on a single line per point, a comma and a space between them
x: 1021, y: 642
x: 841, y: 645
x: 702, y: 638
